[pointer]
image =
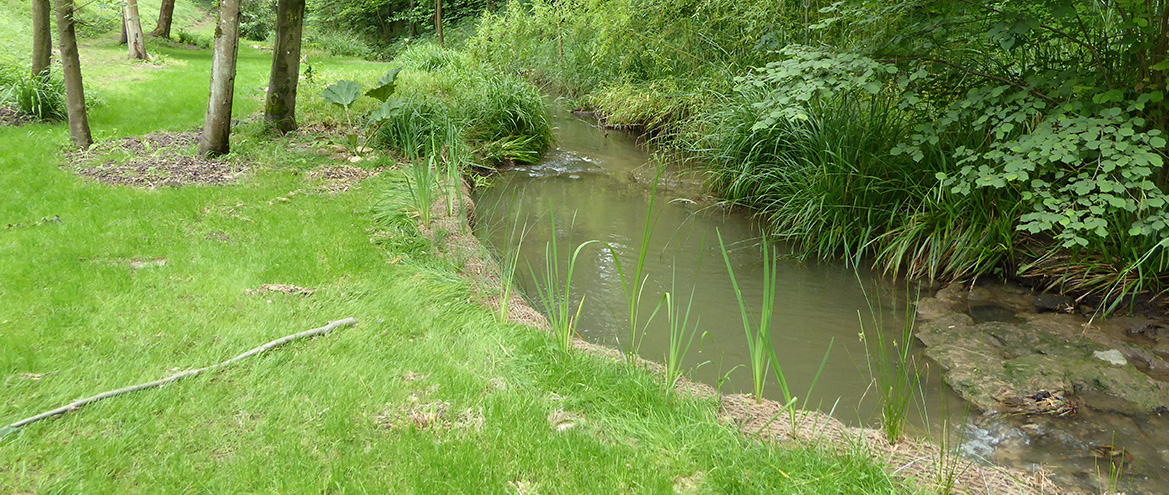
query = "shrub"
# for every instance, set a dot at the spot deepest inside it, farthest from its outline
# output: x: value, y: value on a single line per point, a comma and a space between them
x: 37, y: 97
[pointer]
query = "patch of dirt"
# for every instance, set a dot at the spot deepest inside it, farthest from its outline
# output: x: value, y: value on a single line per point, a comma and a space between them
x: 291, y: 290
x: 561, y: 420
x: 339, y: 178
x: 910, y: 458
x: 10, y: 117
x: 154, y: 160
x: 430, y: 415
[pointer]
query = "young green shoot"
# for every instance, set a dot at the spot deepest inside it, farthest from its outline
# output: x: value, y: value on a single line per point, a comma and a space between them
x: 681, y: 334
x: 758, y: 337
x: 635, y: 287
x: 556, y: 296
x: 891, y: 364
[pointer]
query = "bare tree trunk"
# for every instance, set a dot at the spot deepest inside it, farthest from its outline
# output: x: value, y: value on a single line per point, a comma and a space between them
x: 134, y: 39
x: 165, y: 12
x: 42, y: 38
x: 215, y: 139
x: 122, y: 37
x: 280, y: 109
x: 71, y: 67
x: 438, y: 21
x: 413, y: 25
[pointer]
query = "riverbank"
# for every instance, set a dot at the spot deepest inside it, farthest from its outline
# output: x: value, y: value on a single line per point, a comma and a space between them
x: 841, y: 153
x: 108, y: 284
x: 927, y: 466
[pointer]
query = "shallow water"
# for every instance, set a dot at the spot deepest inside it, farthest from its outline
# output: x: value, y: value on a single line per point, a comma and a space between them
x: 597, y: 185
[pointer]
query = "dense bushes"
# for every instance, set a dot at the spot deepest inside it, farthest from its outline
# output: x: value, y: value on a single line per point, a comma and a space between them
x: 937, y: 139
x: 447, y: 99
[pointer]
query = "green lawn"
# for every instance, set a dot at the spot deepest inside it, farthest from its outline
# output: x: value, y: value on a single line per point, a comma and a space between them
x: 345, y: 413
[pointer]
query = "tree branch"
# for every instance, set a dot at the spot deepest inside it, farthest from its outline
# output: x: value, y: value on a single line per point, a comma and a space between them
x: 973, y: 72
x: 77, y: 404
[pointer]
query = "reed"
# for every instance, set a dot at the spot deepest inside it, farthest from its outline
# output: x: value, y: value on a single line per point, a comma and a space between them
x: 891, y: 363
x: 759, y: 347
x: 682, y: 334
x: 555, y: 291
x: 634, y: 286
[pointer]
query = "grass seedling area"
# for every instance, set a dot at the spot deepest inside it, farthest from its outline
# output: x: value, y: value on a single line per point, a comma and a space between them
x: 104, y: 286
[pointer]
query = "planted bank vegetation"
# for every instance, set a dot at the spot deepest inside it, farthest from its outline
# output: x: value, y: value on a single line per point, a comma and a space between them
x: 938, y: 140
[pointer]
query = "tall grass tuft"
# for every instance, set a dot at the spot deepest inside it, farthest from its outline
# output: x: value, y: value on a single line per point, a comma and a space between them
x: 40, y: 98
x: 424, y: 175
x: 555, y: 291
x: 759, y: 347
x: 682, y: 334
x: 891, y: 364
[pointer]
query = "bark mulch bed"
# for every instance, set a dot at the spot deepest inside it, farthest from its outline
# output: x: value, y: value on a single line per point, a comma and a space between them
x: 155, y: 160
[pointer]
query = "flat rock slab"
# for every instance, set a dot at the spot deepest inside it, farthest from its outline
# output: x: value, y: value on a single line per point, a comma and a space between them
x: 1034, y: 361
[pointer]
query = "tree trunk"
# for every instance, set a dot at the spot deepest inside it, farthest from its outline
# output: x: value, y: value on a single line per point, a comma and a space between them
x: 122, y: 37
x: 280, y: 109
x: 42, y: 38
x: 165, y: 12
x: 134, y: 39
x: 438, y: 21
x: 71, y: 67
x: 413, y: 25
x: 214, y: 140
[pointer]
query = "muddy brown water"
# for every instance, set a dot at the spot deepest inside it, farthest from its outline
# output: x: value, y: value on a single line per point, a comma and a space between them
x: 597, y: 185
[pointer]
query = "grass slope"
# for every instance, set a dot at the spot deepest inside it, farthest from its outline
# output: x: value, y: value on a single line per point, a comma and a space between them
x: 77, y: 318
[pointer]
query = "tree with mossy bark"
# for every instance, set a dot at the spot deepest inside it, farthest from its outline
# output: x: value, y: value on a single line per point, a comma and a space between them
x: 280, y: 108
x: 42, y: 38
x: 215, y: 138
x: 71, y: 67
x: 165, y: 14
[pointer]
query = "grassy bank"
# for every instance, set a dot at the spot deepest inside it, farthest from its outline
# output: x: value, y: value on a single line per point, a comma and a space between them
x: 106, y: 286
x: 883, y: 134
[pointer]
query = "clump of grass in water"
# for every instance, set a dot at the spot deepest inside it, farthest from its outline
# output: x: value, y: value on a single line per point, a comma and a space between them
x: 893, y: 368
x: 759, y: 337
x: 510, y: 262
x: 681, y: 334
x: 556, y: 296
x: 635, y: 287
x: 759, y: 347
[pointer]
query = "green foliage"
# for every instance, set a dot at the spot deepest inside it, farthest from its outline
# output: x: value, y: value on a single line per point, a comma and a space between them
x: 188, y: 38
x: 342, y: 93
x: 37, y: 97
x: 450, y: 99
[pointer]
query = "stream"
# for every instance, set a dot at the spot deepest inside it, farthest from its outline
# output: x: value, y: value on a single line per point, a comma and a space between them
x: 598, y: 184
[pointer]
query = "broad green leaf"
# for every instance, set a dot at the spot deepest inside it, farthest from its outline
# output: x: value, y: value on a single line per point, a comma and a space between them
x: 385, y: 86
x: 342, y: 93
x: 385, y: 111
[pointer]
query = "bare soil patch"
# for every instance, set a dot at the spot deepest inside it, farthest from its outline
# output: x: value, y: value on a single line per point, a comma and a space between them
x: 291, y: 290
x: 430, y: 415
x: 155, y: 160
x: 340, y: 178
x: 10, y: 117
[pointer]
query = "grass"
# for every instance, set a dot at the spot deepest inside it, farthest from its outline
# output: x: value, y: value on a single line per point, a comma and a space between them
x: 891, y: 364
x: 316, y: 415
x: 759, y: 346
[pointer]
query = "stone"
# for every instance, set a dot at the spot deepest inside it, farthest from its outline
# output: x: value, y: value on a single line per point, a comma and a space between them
x: 1111, y: 356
